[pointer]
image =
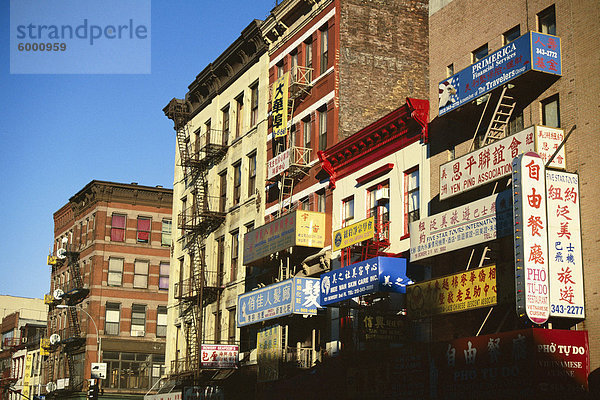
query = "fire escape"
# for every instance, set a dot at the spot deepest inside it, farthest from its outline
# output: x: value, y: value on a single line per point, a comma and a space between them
x: 70, y: 341
x: 300, y: 85
x: 202, y: 286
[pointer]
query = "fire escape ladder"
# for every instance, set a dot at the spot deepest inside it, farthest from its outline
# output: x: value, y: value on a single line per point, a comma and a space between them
x: 287, y: 187
x: 497, y: 128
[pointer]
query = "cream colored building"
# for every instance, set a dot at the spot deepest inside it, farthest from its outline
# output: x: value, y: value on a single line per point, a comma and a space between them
x: 219, y: 181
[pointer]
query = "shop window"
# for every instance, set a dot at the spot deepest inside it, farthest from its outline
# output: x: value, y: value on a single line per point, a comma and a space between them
x: 115, y: 271
x: 547, y: 21
x: 117, y: 230
x: 551, y: 112
x: 112, y: 318
x: 144, y: 226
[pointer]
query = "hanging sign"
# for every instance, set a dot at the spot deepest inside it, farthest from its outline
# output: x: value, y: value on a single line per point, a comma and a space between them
x: 279, y: 109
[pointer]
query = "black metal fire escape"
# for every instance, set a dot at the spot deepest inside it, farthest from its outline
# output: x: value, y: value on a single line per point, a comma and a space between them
x: 203, y: 286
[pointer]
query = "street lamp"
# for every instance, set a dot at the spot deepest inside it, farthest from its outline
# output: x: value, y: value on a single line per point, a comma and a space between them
x: 98, y: 339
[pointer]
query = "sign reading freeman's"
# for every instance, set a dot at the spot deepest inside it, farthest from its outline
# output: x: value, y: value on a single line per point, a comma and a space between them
x: 493, y: 162
x: 478, y: 222
x: 379, y: 274
x: 565, y: 264
x: 531, y: 240
x: 293, y: 296
x: 532, y: 51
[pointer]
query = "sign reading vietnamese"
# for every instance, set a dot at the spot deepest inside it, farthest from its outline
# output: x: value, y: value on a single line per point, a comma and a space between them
x: 532, y: 51
x: 478, y: 222
x: 280, y: 105
x: 219, y: 355
x: 565, y: 263
x: 520, y: 364
x: 355, y: 233
x: 268, y: 353
x: 278, y: 164
x: 298, y: 228
x: 493, y: 162
x: 464, y: 291
x: 379, y: 274
x: 531, y: 240
x: 293, y: 296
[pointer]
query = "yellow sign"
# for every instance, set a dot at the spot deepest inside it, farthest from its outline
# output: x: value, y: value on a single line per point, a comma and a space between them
x: 52, y: 260
x: 27, y: 375
x: 280, y: 105
x: 48, y: 299
x: 468, y: 290
x: 44, y: 346
x: 310, y: 228
x: 355, y: 233
x: 268, y: 353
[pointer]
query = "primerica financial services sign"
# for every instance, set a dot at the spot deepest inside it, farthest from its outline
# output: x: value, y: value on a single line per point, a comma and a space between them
x: 478, y: 222
x: 493, y: 162
x: 533, y: 51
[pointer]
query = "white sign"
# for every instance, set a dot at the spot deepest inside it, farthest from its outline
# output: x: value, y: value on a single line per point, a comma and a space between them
x: 164, y: 396
x: 531, y: 239
x: 493, y: 162
x: 278, y: 164
x: 62, y: 383
x: 219, y: 355
x: 98, y: 370
x: 565, y: 263
x: 464, y: 226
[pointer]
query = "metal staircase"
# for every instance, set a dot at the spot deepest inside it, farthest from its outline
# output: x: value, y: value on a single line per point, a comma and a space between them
x: 499, y: 122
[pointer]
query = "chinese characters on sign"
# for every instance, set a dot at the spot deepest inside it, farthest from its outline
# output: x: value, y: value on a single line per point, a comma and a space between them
x: 355, y: 233
x: 278, y: 164
x: 481, y: 221
x: 493, y: 162
x: 293, y: 296
x: 531, y: 240
x: 499, y: 68
x: 268, y: 353
x: 460, y: 292
x: 565, y: 262
x: 280, y: 105
x: 219, y: 355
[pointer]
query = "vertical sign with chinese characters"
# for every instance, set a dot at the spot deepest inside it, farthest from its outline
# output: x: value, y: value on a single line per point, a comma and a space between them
x: 280, y: 105
x: 547, y: 140
x: 531, y: 239
x: 565, y: 262
x: 268, y: 353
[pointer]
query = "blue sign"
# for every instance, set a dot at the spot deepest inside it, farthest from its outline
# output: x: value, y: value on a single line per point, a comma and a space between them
x: 379, y: 274
x: 532, y: 51
x: 292, y: 296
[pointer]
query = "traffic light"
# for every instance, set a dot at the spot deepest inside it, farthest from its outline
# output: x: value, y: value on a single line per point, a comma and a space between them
x: 92, y: 393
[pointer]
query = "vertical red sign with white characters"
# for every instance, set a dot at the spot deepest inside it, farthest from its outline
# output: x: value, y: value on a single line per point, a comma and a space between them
x: 565, y: 263
x: 531, y: 239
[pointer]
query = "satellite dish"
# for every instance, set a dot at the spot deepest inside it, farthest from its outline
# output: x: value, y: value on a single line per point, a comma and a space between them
x: 50, y: 387
x: 61, y: 253
x: 54, y: 338
x: 58, y: 294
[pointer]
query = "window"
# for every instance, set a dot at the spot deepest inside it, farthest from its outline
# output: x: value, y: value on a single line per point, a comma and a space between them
x: 347, y: 211
x: 279, y: 67
x: 449, y: 70
x: 144, y: 226
x: 323, y: 128
x: 237, y: 182
x: 551, y: 112
x: 304, y: 204
x: 115, y: 271
x: 515, y: 124
x: 111, y: 321
x: 225, y: 115
x: 254, y: 104
x: 235, y: 252
x: 223, y: 193
x: 306, y: 132
x: 117, y: 230
x: 161, y: 321
x: 220, y: 260
x: 138, y: 320
x: 183, y: 214
x: 308, y: 57
x: 547, y: 21
x: 132, y: 370
x: 165, y: 239
x: 217, y: 333
x: 294, y: 65
x: 511, y: 35
x: 411, y: 197
x: 321, y: 201
x: 163, y: 276
x: 378, y: 203
x: 231, y: 327
x: 208, y: 132
x: 239, y: 115
x: 140, y: 274
x: 251, y: 174
x: 479, y: 53
x: 324, y: 49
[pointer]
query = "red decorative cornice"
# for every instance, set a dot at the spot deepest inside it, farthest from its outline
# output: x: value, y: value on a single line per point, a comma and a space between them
x: 398, y: 129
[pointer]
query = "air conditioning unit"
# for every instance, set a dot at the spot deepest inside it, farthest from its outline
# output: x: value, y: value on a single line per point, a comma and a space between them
x: 138, y: 333
x: 382, y: 195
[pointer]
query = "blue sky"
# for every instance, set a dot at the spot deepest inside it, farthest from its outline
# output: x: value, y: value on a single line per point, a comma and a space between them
x: 59, y: 132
